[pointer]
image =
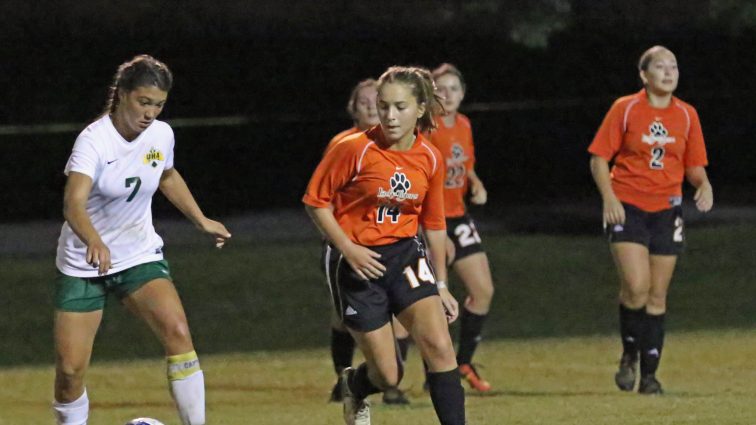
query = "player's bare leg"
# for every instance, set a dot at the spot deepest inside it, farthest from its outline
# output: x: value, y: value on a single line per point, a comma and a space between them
x: 74, y: 335
x: 393, y: 395
x: 426, y: 322
x: 632, y: 261
x: 158, y: 304
x: 662, y: 268
x: 380, y: 371
x: 342, y: 352
x: 475, y: 273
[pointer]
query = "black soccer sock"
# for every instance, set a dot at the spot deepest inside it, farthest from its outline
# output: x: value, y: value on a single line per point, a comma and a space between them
x: 469, y: 335
x: 652, y: 342
x: 342, y: 350
x: 631, y: 325
x: 447, y: 396
x: 403, y: 344
x: 360, y: 383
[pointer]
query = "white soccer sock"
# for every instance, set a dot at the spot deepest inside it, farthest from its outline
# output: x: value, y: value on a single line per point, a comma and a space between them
x: 73, y: 413
x: 187, y: 387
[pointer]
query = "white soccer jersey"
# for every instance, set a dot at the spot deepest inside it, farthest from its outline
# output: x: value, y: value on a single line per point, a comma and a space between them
x: 125, y: 175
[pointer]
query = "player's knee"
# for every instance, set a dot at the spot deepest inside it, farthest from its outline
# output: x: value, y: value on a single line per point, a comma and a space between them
x: 384, y: 377
x: 69, y: 377
x: 177, y: 332
x: 484, y: 294
x: 635, y: 293
x: 657, y: 303
x: 438, y: 350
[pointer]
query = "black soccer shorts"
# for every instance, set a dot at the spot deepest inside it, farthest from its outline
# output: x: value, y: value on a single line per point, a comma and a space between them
x: 661, y: 232
x: 464, y: 235
x: 366, y: 305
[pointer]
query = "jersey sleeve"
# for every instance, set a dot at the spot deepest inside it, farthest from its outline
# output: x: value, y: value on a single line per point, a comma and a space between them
x: 432, y: 216
x: 472, y: 146
x: 335, y: 170
x: 608, y: 139
x: 171, y: 146
x: 695, y: 150
x: 85, y: 158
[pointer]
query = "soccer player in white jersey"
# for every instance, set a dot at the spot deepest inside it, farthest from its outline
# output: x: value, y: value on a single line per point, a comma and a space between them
x: 108, y: 244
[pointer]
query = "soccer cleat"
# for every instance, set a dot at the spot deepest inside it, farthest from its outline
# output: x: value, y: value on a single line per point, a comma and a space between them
x: 625, y: 376
x: 336, y: 392
x: 356, y: 412
x: 395, y: 396
x: 649, y: 385
x: 472, y: 377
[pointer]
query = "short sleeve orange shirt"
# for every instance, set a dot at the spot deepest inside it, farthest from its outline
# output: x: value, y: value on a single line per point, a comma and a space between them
x: 380, y: 195
x: 651, y: 148
x: 456, y: 146
x: 337, y: 138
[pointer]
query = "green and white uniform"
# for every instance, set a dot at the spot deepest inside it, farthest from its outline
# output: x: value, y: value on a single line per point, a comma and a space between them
x: 125, y: 175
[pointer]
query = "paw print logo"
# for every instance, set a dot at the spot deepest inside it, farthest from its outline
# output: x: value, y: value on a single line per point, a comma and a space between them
x: 399, y: 183
x: 457, y: 152
x: 657, y: 130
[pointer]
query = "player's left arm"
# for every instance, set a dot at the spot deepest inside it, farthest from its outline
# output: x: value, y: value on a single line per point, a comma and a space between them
x: 478, y: 193
x: 433, y: 222
x: 695, y: 160
x: 173, y: 186
x: 704, y: 196
x: 437, y: 247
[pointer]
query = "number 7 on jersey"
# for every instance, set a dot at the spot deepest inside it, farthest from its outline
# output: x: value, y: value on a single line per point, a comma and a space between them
x: 137, y: 184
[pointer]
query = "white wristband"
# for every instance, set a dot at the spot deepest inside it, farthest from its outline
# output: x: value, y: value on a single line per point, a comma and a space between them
x: 440, y: 284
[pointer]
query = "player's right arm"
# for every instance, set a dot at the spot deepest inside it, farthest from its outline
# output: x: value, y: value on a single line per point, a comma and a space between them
x: 335, y: 170
x: 603, y: 148
x: 363, y: 261
x: 478, y: 192
x: 613, y: 211
x: 75, y: 198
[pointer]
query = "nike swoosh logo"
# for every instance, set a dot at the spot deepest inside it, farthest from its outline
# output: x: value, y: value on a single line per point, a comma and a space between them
x: 110, y: 162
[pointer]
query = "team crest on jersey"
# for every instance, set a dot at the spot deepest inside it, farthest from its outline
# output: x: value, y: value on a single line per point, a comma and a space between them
x: 399, y: 189
x: 657, y: 134
x: 153, y: 156
x: 457, y: 154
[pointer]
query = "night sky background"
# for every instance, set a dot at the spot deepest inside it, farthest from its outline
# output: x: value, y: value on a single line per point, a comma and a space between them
x: 541, y: 75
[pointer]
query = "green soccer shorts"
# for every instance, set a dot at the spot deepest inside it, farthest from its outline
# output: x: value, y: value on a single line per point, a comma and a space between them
x: 83, y: 294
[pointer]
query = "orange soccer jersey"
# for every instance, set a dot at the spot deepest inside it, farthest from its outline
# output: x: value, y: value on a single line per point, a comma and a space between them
x: 651, y: 148
x: 379, y: 195
x: 456, y: 146
x: 337, y: 138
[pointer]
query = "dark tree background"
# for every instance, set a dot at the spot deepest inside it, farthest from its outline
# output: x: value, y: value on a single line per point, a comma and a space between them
x: 541, y: 75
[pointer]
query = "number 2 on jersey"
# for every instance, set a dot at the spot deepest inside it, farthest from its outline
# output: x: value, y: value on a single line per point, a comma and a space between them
x: 657, y: 154
x: 423, y: 273
x: 678, y: 234
x: 137, y: 184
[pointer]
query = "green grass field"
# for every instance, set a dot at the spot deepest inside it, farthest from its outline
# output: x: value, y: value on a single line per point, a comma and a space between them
x: 709, y: 379
x: 259, y: 317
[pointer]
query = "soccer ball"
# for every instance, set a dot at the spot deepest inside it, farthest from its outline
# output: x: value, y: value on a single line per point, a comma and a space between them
x: 144, y: 421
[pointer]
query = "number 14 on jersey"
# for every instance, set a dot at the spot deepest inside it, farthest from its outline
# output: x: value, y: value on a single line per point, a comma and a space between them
x: 423, y: 273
